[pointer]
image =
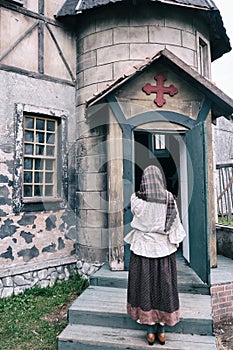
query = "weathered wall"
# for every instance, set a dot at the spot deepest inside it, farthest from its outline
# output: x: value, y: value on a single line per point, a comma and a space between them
x: 29, y: 237
x: 37, y: 70
x: 223, y: 141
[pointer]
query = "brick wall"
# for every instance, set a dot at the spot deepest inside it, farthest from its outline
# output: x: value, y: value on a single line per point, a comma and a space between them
x: 222, y: 301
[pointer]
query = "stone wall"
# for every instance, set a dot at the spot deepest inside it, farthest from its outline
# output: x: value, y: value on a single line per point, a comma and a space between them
x: 18, y: 281
x: 225, y: 240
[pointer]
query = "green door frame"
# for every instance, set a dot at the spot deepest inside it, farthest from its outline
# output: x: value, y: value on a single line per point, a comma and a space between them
x: 128, y: 126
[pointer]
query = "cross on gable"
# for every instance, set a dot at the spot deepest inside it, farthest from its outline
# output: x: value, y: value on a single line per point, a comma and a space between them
x: 160, y: 90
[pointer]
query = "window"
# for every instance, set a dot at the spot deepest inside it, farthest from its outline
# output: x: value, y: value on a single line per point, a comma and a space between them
x: 40, y: 161
x: 204, y: 65
x: 39, y: 157
x: 159, y: 142
x: 159, y: 145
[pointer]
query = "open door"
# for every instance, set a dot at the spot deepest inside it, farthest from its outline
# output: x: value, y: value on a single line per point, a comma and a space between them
x: 198, y: 203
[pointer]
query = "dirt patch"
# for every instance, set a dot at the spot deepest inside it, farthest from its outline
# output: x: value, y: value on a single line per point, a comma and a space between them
x: 224, y: 335
x: 59, y: 314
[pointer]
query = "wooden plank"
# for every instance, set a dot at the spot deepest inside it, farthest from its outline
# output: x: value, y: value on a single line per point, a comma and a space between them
x: 74, y: 337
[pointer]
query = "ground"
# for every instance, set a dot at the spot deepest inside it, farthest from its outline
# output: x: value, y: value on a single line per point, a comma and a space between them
x: 224, y: 335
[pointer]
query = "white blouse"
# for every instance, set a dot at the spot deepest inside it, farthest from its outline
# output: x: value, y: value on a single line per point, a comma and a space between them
x: 148, y: 237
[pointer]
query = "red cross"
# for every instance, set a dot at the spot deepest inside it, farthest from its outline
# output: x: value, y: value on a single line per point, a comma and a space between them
x: 160, y: 90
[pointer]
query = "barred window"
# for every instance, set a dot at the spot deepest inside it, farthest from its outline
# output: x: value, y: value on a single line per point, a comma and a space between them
x: 39, y: 157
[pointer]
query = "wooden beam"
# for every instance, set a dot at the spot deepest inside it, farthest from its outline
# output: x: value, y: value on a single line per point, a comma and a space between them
x: 60, y: 52
x: 25, y: 12
x: 18, y: 41
x: 35, y: 75
x: 41, y: 47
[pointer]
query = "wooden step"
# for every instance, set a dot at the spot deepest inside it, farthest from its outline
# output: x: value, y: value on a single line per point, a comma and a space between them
x: 106, y: 306
x: 86, y: 337
x: 188, y: 281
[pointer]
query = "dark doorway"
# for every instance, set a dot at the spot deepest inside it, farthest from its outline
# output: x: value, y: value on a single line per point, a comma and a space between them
x: 162, y: 150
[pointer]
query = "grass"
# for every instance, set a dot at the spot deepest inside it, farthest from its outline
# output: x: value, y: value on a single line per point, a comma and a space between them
x: 224, y: 221
x: 33, y: 319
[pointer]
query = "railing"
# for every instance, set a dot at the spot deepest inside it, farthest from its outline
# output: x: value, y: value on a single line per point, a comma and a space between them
x: 225, y: 193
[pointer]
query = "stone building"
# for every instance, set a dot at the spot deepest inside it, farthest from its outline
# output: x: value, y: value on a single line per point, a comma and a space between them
x: 92, y: 92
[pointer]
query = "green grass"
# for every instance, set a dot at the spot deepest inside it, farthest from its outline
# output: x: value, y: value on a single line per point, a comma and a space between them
x: 225, y: 221
x: 33, y: 319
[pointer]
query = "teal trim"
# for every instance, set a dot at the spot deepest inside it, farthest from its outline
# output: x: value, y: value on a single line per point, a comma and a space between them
x: 162, y: 116
x: 115, y: 107
x: 204, y: 111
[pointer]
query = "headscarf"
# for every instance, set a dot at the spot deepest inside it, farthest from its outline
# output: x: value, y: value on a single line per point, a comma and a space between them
x: 152, y: 189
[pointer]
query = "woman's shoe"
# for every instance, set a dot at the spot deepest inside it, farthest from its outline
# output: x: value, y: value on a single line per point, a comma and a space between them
x: 161, y: 334
x: 150, y: 337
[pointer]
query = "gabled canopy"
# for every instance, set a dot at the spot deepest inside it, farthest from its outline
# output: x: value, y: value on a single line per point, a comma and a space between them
x: 221, y: 104
x: 219, y: 40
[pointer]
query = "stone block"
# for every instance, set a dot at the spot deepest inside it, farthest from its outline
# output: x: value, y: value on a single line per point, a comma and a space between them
x: 115, y: 53
x: 130, y: 35
x: 20, y: 280
x: 142, y: 51
x: 92, y: 182
x: 42, y: 274
x: 7, y: 281
x: 87, y: 60
x: 7, y: 291
x: 92, y: 163
x: 187, y: 55
x: 97, y: 74
x: 122, y: 67
x: 189, y: 40
x: 96, y: 40
x: 86, y: 92
x: 164, y: 35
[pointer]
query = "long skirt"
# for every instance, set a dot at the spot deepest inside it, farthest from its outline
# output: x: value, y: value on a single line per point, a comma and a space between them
x: 152, y: 290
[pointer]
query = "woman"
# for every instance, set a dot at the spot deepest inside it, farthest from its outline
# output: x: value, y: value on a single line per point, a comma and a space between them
x: 157, y: 231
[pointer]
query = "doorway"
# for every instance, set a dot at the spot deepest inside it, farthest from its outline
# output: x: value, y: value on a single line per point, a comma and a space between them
x: 166, y: 150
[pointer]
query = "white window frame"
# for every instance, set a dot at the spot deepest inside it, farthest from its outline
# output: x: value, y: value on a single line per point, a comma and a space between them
x: 204, y: 56
x: 22, y: 110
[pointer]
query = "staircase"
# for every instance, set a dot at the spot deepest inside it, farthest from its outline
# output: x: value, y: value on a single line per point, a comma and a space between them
x: 98, y: 318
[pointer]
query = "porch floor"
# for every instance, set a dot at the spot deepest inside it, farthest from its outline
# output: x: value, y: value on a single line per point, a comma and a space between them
x: 188, y: 280
x: 223, y: 273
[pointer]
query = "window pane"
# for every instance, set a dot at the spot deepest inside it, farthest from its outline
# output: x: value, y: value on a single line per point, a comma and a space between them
x: 50, y: 151
x: 39, y: 150
x: 48, y: 191
x: 29, y: 123
x: 27, y: 163
x: 38, y: 190
x: 38, y: 177
x: 50, y: 125
x: 27, y: 191
x: 49, y: 177
x: 49, y: 165
x: 40, y: 137
x: 40, y: 124
x: 50, y: 138
x: 39, y: 163
x: 28, y: 177
x: 28, y: 149
x: 29, y: 136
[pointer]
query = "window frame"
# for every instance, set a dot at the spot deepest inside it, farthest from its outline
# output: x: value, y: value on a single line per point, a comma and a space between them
x: 203, y: 50
x: 39, y: 203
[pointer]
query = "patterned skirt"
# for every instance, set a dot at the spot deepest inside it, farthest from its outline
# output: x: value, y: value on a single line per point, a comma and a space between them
x: 152, y: 290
